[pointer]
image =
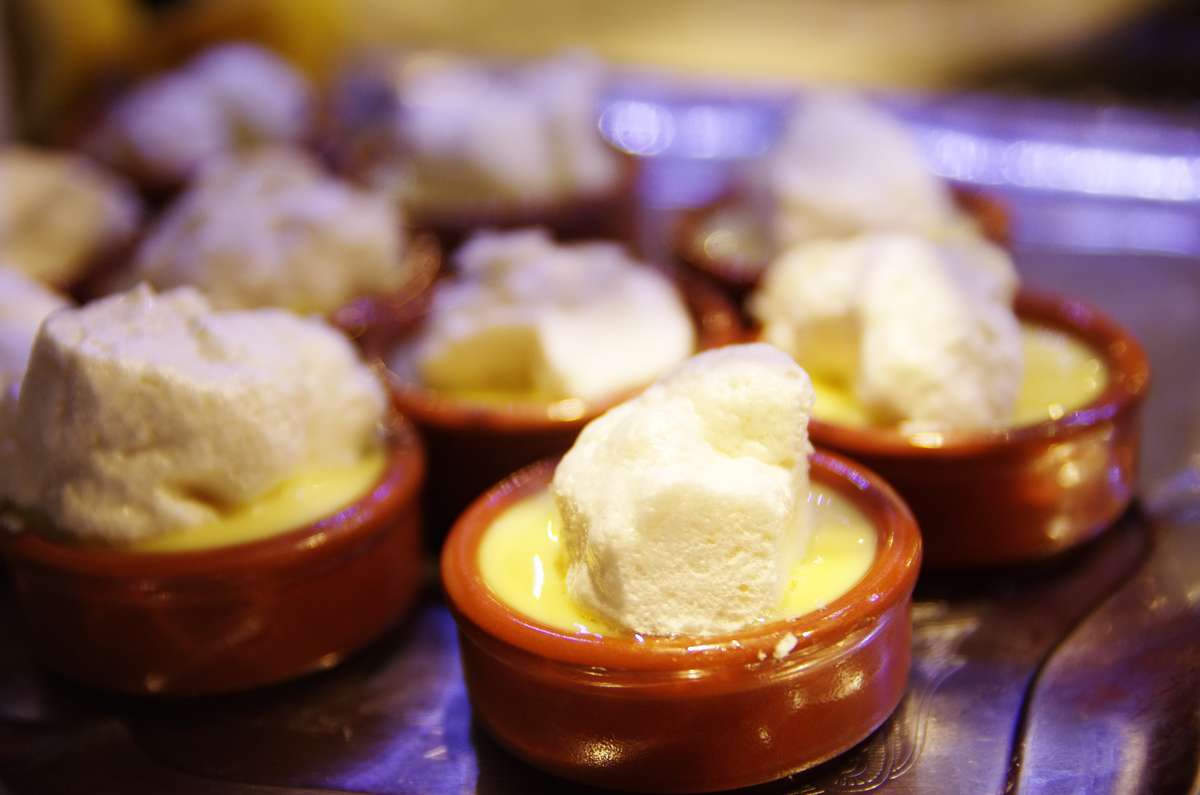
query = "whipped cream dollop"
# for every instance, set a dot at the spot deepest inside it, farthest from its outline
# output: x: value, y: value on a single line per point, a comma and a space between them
x: 59, y: 212
x: 270, y: 228
x: 685, y: 509
x: 24, y: 304
x: 470, y: 130
x: 143, y: 413
x: 527, y: 315
x: 841, y: 167
x: 923, y: 332
x: 230, y: 97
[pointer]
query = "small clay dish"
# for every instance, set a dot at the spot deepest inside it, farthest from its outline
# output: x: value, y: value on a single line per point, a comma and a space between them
x: 234, y: 617
x: 472, y: 445
x: 365, y: 316
x: 683, y: 714
x: 357, y: 139
x: 725, y: 241
x: 105, y: 256
x: 375, y: 320
x: 160, y: 188
x: 1025, y: 493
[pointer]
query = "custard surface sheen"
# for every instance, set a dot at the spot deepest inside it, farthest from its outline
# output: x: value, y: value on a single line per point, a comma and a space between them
x: 1061, y: 374
x: 522, y: 562
x: 496, y: 398
x: 297, y: 502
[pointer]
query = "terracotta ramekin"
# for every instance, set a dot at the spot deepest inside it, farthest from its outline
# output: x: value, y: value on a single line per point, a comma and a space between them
x: 471, y: 446
x: 104, y: 258
x: 158, y: 188
x: 230, y: 618
x: 1026, y: 493
x: 376, y: 320
x: 357, y: 138
x: 689, y: 714
x: 740, y: 276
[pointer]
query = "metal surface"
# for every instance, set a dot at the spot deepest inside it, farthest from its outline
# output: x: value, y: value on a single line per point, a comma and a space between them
x: 1080, y: 676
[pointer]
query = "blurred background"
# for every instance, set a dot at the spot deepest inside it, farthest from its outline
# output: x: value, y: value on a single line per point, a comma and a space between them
x: 60, y: 53
x: 1052, y: 99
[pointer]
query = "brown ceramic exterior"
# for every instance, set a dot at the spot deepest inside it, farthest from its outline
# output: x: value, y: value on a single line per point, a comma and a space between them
x: 102, y: 268
x: 689, y: 714
x: 1021, y: 494
x: 605, y: 215
x: 472, y: 446
x: 229, y: 618
x: 738, y: 279
x: 375, y: 320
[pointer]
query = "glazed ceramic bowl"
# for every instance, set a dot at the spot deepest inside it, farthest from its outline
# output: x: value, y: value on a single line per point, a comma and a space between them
x: 471, y: 445
x: 724, y: 241
x: 375, y: 320
x: 234, y: 617
x: 685, y: 714
x: 1025, y: 493
x: 358, y: 140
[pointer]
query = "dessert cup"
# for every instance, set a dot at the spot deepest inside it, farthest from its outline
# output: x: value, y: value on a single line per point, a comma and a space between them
x: 680, y: 714
x: 374, y: 320
x: 992, y: 498
x: 739, y: 275
x: 358, y: 138
x: 365, y: 316
x: 473, y: 445
x: 233, y: 617
x: 107, y: 226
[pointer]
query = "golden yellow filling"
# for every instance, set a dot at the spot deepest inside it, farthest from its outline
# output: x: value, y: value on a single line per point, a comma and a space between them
x: 295, y: 503
x: 1061, y: 374
x: 564, y: 409
x: 523, y: 562
x: 497, y: 397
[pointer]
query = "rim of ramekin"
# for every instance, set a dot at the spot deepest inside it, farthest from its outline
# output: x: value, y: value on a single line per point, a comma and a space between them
x: 889, y: 580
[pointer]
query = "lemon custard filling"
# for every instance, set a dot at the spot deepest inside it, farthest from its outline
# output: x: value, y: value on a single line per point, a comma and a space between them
x: 1061, y: 374
x: 522, y: 561
x: 530, y: 398
x: 298, y: 501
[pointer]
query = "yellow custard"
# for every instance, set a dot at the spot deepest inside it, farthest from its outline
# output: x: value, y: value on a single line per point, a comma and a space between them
x: 1061, y: 374
x: 498, y: 397
x: 521, y: 559
x: 295, y: 503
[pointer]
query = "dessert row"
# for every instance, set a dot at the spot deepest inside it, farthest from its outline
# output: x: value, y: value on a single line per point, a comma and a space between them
x: 218, y: 463
x: 400, y: 147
